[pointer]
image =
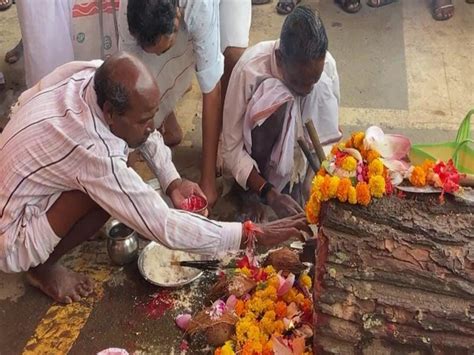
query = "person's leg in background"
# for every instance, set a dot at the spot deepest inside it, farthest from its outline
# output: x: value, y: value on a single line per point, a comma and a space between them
x: 235, y: 19
x: 46, y: 29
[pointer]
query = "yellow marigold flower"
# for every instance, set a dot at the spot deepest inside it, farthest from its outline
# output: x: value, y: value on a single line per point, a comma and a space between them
x: 371, y: 155
x: 377, y: 186
x: 418, y: 177
x: 273, y: 281
x: 363, y: 193
x: 299, y: 298
x: 227, y: 349
x: 305, y: 280
x: 343, y: 189
x: 375, y: 168
x: 352, y: 195
x: 290, y: 296
x: 270, y: 270
x: 349, y: 163
x: 279, y: 326
x: 358, y: 140
x: 333, y: 185
x: 427, y: 166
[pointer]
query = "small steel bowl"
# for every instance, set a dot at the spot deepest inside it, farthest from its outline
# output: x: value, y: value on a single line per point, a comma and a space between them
x: 122, y: 243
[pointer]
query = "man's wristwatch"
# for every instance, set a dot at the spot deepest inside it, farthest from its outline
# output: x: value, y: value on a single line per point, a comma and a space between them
x: 264, y: 190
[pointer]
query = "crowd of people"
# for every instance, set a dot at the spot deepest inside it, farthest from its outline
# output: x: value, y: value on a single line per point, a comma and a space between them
x: 64, y: 152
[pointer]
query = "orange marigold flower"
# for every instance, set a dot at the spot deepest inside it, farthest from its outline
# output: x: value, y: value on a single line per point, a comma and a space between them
x: 343, y: 189
x: 377, y: 186
x: 349, y: 163
x: 371, y: 155
x: 352, y: 195
x: 358, y: 140
x: 418, y: 177
x: 322, y: 172
x: 335, y: 149
x: 325, y: 188
x: 428, y: 166
x: 375, y: 168
x: 363, y: 193
x: 281, y: 309
x: 239, y: 308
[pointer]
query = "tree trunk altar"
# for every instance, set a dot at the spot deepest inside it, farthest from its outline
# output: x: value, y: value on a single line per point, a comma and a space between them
x: 397, y: 275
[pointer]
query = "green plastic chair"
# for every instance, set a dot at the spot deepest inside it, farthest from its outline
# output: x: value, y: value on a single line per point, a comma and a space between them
x: 461, y: 150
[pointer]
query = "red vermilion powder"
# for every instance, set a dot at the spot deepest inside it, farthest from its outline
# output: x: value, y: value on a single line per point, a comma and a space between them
x: 159, y: 304
x: 193, y: 203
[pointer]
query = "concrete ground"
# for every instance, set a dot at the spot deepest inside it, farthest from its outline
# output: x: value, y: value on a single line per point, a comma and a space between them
x: 398, y: 69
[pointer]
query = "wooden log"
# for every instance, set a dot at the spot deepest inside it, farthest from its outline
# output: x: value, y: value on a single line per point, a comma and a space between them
x: 398, y: 274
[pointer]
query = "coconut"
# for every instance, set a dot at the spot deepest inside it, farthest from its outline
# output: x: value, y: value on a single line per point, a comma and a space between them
x: 218, y: 334
x: 285, y: 260
x: 238, y: 286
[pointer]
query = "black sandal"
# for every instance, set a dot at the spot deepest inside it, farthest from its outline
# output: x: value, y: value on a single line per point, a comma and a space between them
x: 350, y: 6
x: 439, y: 8
x: 284, y: 7
x: 379, y: 3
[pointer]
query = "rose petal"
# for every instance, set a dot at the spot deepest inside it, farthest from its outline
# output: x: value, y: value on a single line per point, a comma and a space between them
x: 389, y: 146
x: 182, y: 321
x: 279, y: 346
x: 398, y: 166
x: 286, y: 285
x: 231, y: 302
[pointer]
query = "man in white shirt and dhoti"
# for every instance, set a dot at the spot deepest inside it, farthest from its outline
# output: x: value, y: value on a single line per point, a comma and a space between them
x: 274, y: 89
x: 63, y: 157
x: 176, y: 38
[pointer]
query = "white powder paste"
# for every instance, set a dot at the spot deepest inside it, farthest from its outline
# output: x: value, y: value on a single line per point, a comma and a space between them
x: 157, y: 265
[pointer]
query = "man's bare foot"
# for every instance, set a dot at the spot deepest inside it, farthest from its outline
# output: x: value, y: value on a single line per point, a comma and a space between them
x: 61, y: 284
x: 13, y: 55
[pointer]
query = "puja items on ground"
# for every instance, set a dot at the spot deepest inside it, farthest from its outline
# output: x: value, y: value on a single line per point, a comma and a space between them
x: 370, y: 165
x: 258, y: 309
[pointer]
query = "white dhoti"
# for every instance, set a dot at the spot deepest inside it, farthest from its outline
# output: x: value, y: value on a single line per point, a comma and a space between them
x: 235, y: 19
x: 47, y: 36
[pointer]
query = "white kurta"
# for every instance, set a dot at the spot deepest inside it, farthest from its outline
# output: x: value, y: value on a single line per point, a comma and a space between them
x: 56, y: 141
x: 255, y: 67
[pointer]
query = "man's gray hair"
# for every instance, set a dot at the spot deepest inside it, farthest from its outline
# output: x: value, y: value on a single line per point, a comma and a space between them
x: 108, y: 89
x: 303, y: 37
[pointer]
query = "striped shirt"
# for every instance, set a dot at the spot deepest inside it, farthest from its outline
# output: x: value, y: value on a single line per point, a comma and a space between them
x: 57, y: 140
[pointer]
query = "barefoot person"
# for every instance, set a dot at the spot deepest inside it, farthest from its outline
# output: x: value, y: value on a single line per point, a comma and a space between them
x: 63, y: 157
x: 274, y: 88
x: 178, y: 38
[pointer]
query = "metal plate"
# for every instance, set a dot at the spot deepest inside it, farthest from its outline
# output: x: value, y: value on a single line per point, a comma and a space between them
x: 141, y: 260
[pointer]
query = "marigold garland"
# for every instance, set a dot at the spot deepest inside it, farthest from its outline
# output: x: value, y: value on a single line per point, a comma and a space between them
x: 343, y: 175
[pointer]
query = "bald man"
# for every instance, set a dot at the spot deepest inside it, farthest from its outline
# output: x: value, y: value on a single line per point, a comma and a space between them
x: 63, y: 158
